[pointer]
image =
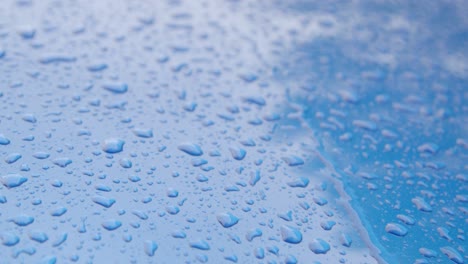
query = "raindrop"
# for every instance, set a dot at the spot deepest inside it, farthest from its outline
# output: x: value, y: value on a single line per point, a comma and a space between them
x: 319, y: 246
x: 150, y: 247
x: 291, y: 234
x: 111, y: 224
x: 13, y: 180
x: 113, y: 145
x: 191, y: 149
x: 227, y: 219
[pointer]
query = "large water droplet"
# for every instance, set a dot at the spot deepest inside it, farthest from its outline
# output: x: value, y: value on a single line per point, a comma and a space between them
x: 13, y: 180
x: 200, y: 244
x: 103, y: 201
x: 291, y: 234
x: 191, y: 149
x: 23, y: 220
x: 396, y: 229
x: 113, y: 145
x: 150, y: 247
x: 227, y: 219
x: 319, y: 246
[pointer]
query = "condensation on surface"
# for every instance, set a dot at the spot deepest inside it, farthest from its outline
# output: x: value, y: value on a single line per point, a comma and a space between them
x: 232, y: 131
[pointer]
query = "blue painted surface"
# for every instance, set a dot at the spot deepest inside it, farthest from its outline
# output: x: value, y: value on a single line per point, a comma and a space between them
x: 233, y: 131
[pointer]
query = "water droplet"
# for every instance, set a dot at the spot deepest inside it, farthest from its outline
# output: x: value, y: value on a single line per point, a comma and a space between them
x: 200, y: 244
x: 9, y: 239
x: 41, y: 155
x: 173, y: 210
x: 253, y: 234
x: 125, y: 163
x: 59, y: 211
x: 56, y: 58
x: 248, y: 77
x: 300, y: 182
x: 227, y: 219
x: 431, y: 148
x: 291, y: 234
x: 293, y: 160
x: 60, y: 240
x: 327, y: 225
x: 179, y: 234
x: 396, y: 229
x: 452, y: 254
x: 140, y: 214
x: 237, y: 153
x: 12, y: 158
x: 97, y: 67
x: 48, y: 260
x: 103, y: 201
x: 150, y: 247
x: 286, y: 216
x: 232, y: 258
x: 143, y: 133
x: 428, y: 253
x: 113, y: 145
x: 111, y: 224
x: 38, y: 236
x: 319, y: 246
x: 13, y: 180
x: 259, y: 253
x: 406, y: 219
x: 290, y: 259
x: 23, y: 220
x: 62, y: 162
x: 191, y: 149
x: 4, y: 140
x: 172, y: 193
x: 116, y: 88
x: 104, y: 188
x: 260, y: 101
x: 345, y: 240
x: 421, y: 204
x: 254, y: 178
x: 367, y: 125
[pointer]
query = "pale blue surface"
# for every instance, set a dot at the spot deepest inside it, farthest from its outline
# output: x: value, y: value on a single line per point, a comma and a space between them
x: 233, y: 131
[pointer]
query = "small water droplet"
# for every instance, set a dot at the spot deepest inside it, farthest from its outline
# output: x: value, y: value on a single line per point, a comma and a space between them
x: 293, y: 160
x: 116, y: 88
x: 143, y: 133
